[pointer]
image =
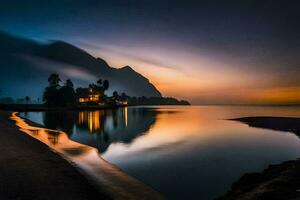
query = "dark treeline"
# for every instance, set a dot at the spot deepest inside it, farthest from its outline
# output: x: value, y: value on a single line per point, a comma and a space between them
x: 156, y: 101
x: 66, y: 95
x: 149, y: 100
x: 6, y: 100
x: 58, y: 94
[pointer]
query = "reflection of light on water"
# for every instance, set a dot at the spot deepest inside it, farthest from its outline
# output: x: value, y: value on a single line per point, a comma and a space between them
x: 81, y: 118
x: 156, y: 139
x: 91, y: 119
x: 94, y: 121
x: 126, y: 116
x: 108, y: 177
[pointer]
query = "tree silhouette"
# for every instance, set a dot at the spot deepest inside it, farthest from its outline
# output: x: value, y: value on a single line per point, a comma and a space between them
x: 27, y: 99
x: 115, y: 95
x: 54, y: 80
x: 99, y: 88
x: 67, y: 94
x: 124, y: 96
x: 51, y: 95
x: 99, y: 82
x: 56, y: 95
x: 105, y: 85
x: 69, y: 84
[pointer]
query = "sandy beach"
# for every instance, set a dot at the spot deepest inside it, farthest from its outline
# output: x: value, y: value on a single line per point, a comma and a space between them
x: 29, y: 170
x: 35, y: 169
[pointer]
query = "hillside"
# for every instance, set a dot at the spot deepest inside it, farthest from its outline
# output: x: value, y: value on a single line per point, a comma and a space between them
x: 26, y: 64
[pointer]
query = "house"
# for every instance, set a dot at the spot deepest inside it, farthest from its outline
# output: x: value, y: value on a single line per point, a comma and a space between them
x: 89, y: 95
x: 121, y: 102
x: 95, y: 95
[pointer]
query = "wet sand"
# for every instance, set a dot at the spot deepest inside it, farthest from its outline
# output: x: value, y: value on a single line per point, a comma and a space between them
x: 89, y: 170
x: 277, y: 182
x: 29, y: 170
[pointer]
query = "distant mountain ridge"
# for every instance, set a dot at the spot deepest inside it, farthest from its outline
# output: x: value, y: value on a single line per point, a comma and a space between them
x: 25, y: 62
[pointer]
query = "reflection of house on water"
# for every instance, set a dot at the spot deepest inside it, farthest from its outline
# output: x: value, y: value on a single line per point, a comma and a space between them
x: 112, y: 126
x: 94, y: 119
x: 90, y: 119
x: 101, y: 128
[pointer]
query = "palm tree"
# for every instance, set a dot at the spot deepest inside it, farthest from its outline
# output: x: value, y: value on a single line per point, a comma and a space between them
x: 69, y: 83
x: 105, y: 85
x: 115, y: 94
x: 124, y: 96
x: 67, y: 94
x: 51, y: 93
x: 54, y: 80
x: 27, y: 99
x: 99, y: 82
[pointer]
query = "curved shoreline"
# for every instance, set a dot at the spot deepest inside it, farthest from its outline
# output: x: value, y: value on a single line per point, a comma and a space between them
x: 277, y: 182
x: 280, y: 181
x: 103, y: 175
x: 29, y: 170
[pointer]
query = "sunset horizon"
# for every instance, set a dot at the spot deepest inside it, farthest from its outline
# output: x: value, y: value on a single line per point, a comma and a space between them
x: 150, y: 99
x: 221, y: 53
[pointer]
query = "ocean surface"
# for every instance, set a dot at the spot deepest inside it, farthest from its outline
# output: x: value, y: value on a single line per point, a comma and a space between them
x: 184, y: 152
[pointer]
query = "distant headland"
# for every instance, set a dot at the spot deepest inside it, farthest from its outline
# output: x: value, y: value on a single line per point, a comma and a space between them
x: 30, y: 64
x: 58, y: 95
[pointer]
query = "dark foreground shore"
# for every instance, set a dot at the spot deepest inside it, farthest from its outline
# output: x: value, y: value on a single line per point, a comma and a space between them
x: 74, y: 171
x: 29, y: 170
x: 277, y: 182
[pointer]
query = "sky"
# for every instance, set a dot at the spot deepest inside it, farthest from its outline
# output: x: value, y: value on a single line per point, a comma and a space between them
x: 207, y: 52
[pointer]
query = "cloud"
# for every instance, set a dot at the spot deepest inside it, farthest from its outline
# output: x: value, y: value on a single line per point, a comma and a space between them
x: 70, y: 71
x: 122, y: 52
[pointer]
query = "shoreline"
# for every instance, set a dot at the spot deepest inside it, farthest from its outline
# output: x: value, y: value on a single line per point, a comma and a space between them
x: 276, y: 182
x: 280, y: 181
x: 31, y: 170
x: 41, y: 107
x: 114, y: 182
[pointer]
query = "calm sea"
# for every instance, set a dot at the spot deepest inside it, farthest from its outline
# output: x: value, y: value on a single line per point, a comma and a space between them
x: 184, y: 152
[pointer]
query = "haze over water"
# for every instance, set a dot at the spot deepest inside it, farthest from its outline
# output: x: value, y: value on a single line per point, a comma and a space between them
x: 183, y: 152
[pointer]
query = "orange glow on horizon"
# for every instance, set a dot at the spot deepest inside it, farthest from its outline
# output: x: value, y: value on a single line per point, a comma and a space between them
x: 205, y: 78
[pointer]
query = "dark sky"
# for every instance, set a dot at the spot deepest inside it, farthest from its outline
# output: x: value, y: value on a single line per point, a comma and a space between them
x: 199, y: 50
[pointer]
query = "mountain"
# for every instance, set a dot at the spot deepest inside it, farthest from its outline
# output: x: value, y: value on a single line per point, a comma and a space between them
x: 25, y: 65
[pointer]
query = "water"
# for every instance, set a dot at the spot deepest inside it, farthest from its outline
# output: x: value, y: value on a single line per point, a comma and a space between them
x: 183, y: 152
